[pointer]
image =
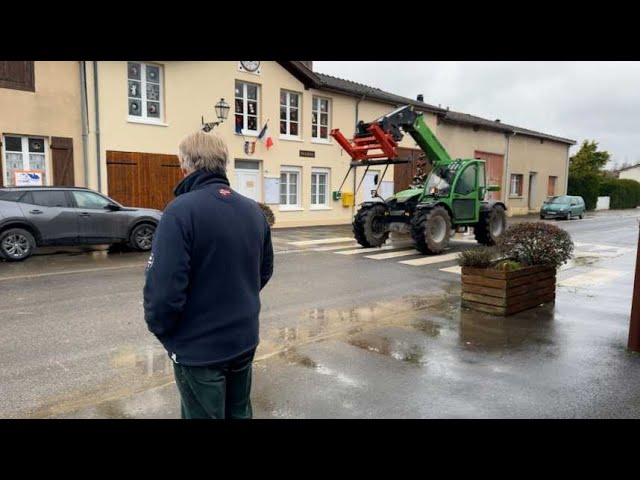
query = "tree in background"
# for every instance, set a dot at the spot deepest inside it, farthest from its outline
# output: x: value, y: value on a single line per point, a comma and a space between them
x: 588, y: 159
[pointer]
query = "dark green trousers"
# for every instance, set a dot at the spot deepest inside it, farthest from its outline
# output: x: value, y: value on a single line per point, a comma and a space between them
x: 222, y: 391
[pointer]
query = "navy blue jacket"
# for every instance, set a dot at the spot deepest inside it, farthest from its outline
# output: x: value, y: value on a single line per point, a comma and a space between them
x: 211, y: 256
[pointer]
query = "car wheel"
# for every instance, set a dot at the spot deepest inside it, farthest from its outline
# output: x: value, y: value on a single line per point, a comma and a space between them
x: 581, y: 216
x: 141, y: 237
x: 16, y: 244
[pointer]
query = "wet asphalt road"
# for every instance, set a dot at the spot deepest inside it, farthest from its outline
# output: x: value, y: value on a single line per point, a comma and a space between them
x: 343, y: 336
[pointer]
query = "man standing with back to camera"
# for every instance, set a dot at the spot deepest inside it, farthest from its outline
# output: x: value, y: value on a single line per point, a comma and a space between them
x: 211, y: 257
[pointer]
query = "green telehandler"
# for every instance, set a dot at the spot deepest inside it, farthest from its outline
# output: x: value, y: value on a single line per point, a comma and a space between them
x: 453, y: 195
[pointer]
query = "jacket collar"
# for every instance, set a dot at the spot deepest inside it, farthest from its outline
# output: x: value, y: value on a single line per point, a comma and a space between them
x: 199, y: 179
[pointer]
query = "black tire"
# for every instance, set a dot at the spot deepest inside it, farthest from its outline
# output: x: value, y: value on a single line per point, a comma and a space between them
x: 369, y: 226
x: 141, y: 238
x: 431, y: 229
x: 491, y: 225
x: 581, y: 216
x: 16, y: 244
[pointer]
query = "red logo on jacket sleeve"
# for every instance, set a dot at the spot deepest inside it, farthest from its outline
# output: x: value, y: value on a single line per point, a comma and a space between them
x: 225, y: 192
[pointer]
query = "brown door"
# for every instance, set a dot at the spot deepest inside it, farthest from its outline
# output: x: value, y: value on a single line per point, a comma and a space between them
x: 62, y: 161
x: 494, y: 164
x: 403, y: 173
x: 142, y: 179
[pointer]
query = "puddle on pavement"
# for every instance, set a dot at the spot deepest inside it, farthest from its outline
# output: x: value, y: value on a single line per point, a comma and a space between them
x: 148, y: 362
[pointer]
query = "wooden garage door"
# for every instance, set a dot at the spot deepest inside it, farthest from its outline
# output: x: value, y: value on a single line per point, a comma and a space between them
x: 494, y: 165
x: 403, y: 172
x: 142, y: 179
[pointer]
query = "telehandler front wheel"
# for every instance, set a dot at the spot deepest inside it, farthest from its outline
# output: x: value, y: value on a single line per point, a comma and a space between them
x: 370, y: 226
x: 431, y: 229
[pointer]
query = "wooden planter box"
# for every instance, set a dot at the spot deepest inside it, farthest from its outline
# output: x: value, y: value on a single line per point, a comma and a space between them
x: 505, y: 293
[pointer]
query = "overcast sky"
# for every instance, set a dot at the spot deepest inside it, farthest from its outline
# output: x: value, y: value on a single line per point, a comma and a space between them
x: 579, y: 100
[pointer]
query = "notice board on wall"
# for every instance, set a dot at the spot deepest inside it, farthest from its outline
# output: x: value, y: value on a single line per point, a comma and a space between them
x: 272, y: 190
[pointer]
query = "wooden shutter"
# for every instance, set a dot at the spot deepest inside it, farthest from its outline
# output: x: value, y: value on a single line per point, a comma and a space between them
x: 17, y: 75
x: 62, y: 162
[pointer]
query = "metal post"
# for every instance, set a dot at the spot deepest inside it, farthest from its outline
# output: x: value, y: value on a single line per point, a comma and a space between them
x: 634, y: 326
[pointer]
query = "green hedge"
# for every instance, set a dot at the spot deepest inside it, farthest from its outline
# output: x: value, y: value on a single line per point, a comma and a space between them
x: 586, y: 186
x: 624, y: 193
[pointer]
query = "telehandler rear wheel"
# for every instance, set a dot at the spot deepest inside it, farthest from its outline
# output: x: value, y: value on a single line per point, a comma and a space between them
x: 431, y: 229
x: 370, y: 226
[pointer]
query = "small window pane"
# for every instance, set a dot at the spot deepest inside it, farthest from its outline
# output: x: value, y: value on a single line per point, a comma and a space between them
x: 252, y: 123
x: 322, y: 179
x: 153, y: 91
x: 13, y: 144
x: 134, y: 71
x: 239, y: 89
x: 239, y: 106
x: 153, y: 74
x: 323, y: 132
x: 293, y: 115
x: 134, y: 89
x: 135, y: 107
x: 283, y: 113
x: 293, y: 100
x: 314, y: 118
x: 36, y: 145
x: 324, y: 105
x: 283, y: 98
x: 283, y: 127
x: 252, y: 92
x: 293, y: 129
x: 314, y: 131
x: 252, y: 108
x: 153, y: 109
x: 239, y: 122
x: 315, y: 103
x: 36, y: 161
x: 322, y: 198
x: 324, y: 119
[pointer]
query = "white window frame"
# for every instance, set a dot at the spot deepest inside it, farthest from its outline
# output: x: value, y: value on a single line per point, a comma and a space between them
x: 245, y: 108
x: 316, y: 172
x: 289, y: 171
x: 318, y: 138
x: 25, y: 156
x: 287, y: 135
x: 513, y: 190
x: 143, y: 94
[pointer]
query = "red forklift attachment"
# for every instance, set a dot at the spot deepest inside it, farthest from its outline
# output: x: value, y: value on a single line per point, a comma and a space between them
x: 376, y: 145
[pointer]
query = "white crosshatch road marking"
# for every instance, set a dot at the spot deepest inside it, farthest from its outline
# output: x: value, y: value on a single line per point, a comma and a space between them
x: 365, y: 250
x: 431, y: 259
x: 335, y: 247
x: 401, y: 253
x: 321, y: 241
x: 596, y: 277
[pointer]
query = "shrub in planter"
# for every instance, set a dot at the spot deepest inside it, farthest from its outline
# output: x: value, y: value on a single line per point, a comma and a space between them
x: 521, y: 272
x: 536, y: 243
x: 268, y: 213
x: 480, y: 257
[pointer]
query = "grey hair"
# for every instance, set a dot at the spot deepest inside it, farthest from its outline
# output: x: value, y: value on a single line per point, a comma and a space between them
x: 202, y: 151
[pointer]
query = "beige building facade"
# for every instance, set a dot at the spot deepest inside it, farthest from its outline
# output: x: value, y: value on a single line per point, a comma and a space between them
x: 125, y: 119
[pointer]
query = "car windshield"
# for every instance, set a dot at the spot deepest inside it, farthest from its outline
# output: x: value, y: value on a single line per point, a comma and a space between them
x: 440, y: 178
x: 558, y: 200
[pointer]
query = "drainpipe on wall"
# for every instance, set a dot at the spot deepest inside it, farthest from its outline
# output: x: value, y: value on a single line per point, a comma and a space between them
x: 566, y: 173
x: 97, y: 106
x: 355, y: 171
x: 507, y: 177
x: 85, y: 120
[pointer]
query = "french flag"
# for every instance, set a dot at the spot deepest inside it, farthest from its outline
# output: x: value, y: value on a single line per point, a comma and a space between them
x: 265, y: 137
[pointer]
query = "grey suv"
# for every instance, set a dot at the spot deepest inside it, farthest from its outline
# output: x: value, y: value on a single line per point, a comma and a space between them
x: 41, y: 216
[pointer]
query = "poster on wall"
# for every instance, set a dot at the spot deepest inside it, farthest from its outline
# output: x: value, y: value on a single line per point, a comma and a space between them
x: 28, y: 178
x: 272, y: 190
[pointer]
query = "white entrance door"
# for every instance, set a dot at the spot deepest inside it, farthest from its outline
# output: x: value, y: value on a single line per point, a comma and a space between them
x: 248, y: 184
x: 369, y: 184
